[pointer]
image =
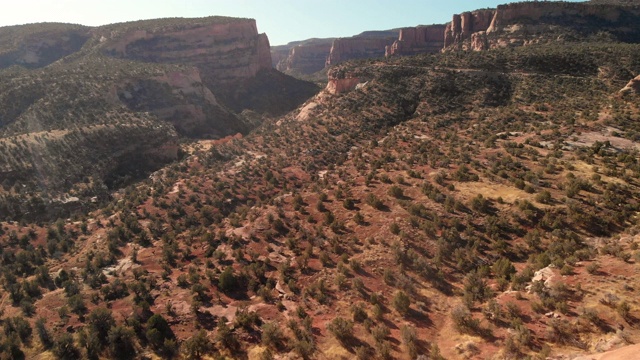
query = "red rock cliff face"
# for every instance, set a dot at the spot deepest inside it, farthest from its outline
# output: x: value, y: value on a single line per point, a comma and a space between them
x: 357, y: 48
x: 279, y: 53
x: 340, y: 82
x: 305, y: 58
x: 462, y: 26
x: 418, y: 40
x: 527, y: 23
x: 226, y: 51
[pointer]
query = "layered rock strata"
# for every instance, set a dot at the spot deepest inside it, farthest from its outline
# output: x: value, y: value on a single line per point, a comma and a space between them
x: 305, y: 58
x: 310, y: 56
x: 418, y: 40
x: 224, y: 51
x: 340, y: 82
x: 357, y: 48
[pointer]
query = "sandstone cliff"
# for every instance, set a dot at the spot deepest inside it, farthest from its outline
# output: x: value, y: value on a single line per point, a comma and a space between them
x: 357, y: 48
x: 229, y: 53
x: 525, y: 23
x: 225, y: 50
x: 307, y: 57
x: 418, y: 40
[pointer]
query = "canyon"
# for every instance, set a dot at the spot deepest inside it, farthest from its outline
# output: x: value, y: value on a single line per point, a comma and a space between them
x: 314, y: 55
x: 417, y: 40
x: 138, y: 87
x: 511, y: 25
x: 225, y: 51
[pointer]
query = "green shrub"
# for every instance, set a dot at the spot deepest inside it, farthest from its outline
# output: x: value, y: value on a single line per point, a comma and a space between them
x: 401, y: 302
x: 341, y: 328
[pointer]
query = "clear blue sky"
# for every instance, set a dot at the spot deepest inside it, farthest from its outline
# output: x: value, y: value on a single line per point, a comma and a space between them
x: 282, y: 20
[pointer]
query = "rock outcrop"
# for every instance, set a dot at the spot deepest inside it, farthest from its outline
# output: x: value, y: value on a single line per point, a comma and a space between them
x: 463, y: 25
x: 525, y: 23
x: 633, y: 87
x: 224, y: 49
x: 418, y: 40
x: 340, y: 82
x: 344, y: 49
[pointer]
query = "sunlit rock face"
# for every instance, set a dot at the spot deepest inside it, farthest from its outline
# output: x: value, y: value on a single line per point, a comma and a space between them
x: 224, y: 51
x: 418, y: 40
x: 527, y: 23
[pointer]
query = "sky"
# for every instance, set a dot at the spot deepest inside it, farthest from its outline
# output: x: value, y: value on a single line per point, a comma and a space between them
x: 282, y: 20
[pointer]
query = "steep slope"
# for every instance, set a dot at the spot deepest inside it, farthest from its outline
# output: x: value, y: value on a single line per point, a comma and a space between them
x: 345, y: 49
x: 225, y: 49
x: 68, y: 132
x: 228, y: 52
x: 510, y: 25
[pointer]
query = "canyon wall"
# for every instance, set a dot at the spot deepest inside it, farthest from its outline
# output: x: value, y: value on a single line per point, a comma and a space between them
x: 233, y: 59
x: 180, y: 98
x: 526, y: 23
x: 344, y: 49
x: 418, y: 40
x: 225, y: 51
x: 313, y: 55
x: 306, y: 58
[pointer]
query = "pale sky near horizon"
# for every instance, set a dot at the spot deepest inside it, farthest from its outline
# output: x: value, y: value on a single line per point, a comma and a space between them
x: 282, y: 20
